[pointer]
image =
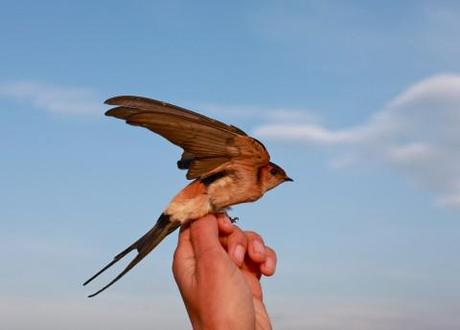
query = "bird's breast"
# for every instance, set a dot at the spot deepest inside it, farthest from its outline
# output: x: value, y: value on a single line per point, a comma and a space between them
x: 233, y: 189
x: 200, y: 198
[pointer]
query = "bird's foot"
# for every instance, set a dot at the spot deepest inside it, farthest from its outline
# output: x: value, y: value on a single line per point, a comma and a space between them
x: 234, y: 219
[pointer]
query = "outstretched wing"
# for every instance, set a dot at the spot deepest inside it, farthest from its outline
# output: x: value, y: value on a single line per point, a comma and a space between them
x: 134, y: 104
x: 208, y: 144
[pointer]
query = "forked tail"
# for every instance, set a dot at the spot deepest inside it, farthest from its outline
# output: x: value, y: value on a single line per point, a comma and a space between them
x: 143, y: 245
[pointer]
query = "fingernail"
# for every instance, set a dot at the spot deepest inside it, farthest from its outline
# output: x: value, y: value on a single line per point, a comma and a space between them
x: 258, y: 247
x: 269, y: 264
x: 239, y: 254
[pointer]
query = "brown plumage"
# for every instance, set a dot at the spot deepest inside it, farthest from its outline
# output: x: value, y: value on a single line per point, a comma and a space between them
x: 228, y: 167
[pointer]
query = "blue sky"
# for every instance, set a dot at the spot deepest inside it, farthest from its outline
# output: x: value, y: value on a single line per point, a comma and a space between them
x: 359, y: 101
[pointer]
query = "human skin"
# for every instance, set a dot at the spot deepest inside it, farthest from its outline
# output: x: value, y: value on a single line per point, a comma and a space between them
x: 217, y: 268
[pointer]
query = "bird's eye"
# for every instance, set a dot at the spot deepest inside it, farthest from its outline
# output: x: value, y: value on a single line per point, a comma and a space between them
x: 273, y: 171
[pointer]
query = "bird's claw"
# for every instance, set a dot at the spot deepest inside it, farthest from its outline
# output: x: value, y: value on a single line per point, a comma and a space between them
x: 234, y: 219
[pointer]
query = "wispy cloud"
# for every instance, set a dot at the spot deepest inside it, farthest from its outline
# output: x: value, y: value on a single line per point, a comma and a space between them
x: 417, y: 132
x: 254, y: 112
x: 53, y: 98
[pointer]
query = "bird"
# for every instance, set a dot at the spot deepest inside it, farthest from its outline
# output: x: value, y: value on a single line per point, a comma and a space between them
x: 227, y: 167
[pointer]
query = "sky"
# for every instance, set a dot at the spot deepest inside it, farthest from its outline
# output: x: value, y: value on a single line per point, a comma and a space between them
x: 359, y: 101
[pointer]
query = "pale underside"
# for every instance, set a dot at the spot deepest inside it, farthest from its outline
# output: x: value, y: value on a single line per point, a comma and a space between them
x: 197, y: 200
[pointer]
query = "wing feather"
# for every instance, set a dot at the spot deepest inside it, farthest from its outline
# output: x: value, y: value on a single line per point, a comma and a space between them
x: 209, y: 145
x: 206, y: 167
x: 146, y: 104
x: 194, y: 137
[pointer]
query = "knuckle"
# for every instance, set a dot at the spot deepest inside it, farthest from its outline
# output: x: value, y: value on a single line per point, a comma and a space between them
x: 237, y: 229
x: 271, y: 252
x: 254, y: 236
x: 239, y: 237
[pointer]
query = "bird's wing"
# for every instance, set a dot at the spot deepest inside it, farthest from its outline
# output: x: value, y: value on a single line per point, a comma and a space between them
x: 134, y: 104
x: 208, y: 144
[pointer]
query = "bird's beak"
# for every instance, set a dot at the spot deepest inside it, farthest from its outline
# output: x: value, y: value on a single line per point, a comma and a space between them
x: 288, y: 179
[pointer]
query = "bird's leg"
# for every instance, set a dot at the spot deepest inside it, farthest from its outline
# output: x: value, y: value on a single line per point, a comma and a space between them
x: 234, y: 219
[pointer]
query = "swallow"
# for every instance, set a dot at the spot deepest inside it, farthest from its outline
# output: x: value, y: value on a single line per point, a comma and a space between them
x: 227, y: 167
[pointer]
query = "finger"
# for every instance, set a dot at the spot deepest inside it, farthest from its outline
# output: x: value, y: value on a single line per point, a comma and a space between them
x: 269, y: 266
x: 225, y: 228
x: 256, y: 247
x: 225, y: 225
x: 236, y: 245
x: 204, y: 235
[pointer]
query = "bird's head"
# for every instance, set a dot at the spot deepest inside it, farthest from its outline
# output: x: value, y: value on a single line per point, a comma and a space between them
x: 273, y: 175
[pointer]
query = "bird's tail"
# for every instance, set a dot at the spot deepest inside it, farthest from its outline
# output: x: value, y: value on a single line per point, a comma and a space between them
x: 143, y: 245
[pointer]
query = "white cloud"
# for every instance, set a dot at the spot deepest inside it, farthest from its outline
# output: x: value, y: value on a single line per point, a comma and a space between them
x: 253, y: 112
x: 438, y: 89
x: 52, y: 98
x: 450, y: 201
x: 418, y: 132
x: 307, y: 133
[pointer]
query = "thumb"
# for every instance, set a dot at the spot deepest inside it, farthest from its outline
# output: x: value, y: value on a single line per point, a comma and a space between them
x: 204, y: 234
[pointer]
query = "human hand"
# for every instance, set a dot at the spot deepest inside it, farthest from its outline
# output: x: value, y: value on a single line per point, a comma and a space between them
x: 217, y: 268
